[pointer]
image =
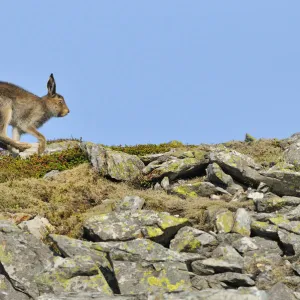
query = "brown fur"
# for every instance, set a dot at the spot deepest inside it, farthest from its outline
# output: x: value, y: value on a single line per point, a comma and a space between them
x: 26, y: 112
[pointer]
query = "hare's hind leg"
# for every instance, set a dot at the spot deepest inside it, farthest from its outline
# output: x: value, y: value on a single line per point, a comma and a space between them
x: 5, y: 118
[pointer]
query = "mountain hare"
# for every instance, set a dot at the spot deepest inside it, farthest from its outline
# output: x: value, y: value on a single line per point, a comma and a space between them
x: 26, y: 112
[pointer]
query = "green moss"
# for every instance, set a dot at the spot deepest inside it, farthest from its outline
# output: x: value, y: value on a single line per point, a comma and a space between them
x: 259, y: 225
x: 37, y: 166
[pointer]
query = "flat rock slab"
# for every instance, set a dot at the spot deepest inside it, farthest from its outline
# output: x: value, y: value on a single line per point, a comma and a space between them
x: 136, y: 278
x: 69, y: 247
x: 127, y: 225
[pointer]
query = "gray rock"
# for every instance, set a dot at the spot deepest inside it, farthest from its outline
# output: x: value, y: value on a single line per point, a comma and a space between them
x: 242, y: 222
x: 7, y: 291
x: 143, y: 250
x: 193, y: 165
x: 157, y: 187
x: 199, y: 283
x: 126, y: 225
x: 230, y: 278
x: 113, y: 164
x: 264, y: 229
x: 216, y: 175
x: 52, y: 174
x: 38, y: 226
x: 189, y: 239
x: 69, y: 247
x: 245, y: 244
x: 85, y: 296
x: 135, y: 278
x: 77, y: 274
x: 165, y: 183
x: 282, y: 183
x: 216, y: 294
x: 290, y: 242
x: 224, y: 259
x: 241, y: 167
x: 224, y: 221
x: 132, y: 203
x: 196, y: 189
x: 280, y: 291
x: 20, y: 253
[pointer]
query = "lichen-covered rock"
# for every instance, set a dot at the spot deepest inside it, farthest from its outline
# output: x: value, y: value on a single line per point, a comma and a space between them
x: 272, y: 203
x: 77, y: 274
x: 245, y: 244
x: 242, y: 222
x: 216, y: 294
x: 224, y: 259
x: 135, y: 278
x: 241, y: 167
x: 268, y: 268
x: 165, y: 183
x: 38, y: 226
x: 233, y: 279
x: 189, y: 239
x: 85, y: 296
x: 69, y: 247
x: 132, y: 203
x: 7, y: 291
x: 23, y: 257
x: 193, y: 165
x: 216, y: 176
x: 224, y: 221
x: 196, y: 189
x: 127, y: 225
x: 264, y: 229
x: 283, y: 182
x: 113, y: 164
x: 290, y: 242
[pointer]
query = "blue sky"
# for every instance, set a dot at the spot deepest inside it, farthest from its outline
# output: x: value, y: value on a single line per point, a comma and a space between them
x: 153, y: 71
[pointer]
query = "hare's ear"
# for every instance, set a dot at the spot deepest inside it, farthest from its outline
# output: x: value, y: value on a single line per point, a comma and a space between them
x: 51, y: 86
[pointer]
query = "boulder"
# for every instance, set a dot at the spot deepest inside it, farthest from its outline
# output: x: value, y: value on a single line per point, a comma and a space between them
x: 241, y: 167
x: 127, y: 225
x: 113, y: 164
x: 192, y: 164
x: 189, y: 239
x: 38, y: 226
x: 196, y: 189
x: 280, y: 291
x: 19, y: 253
x: 77, y: 274
x: 132, y: 203
x: 216, y: 176
x: 242, y: 222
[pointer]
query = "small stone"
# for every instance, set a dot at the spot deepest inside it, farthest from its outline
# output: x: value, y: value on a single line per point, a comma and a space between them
x: 165, y: 183
x: 242, y: 223
x: 132, y: 203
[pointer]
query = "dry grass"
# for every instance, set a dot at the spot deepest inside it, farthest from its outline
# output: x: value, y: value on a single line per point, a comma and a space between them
x: 78, y: 193
x: 263, y: 151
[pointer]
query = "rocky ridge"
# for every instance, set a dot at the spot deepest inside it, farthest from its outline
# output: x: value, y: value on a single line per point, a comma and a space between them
x: 132, y: 252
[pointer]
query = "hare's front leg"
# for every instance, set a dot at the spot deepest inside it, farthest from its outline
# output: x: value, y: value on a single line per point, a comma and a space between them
x: 42, y: 141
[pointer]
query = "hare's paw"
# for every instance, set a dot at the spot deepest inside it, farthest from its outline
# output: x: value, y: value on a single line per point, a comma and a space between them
x: 23, y: 146
x: 42, y: 147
